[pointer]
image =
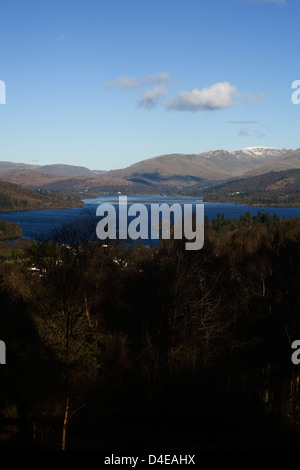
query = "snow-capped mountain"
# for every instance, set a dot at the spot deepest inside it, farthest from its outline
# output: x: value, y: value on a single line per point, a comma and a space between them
x: 213, y: 165
x: 262, y: 152
x: 257, y: 153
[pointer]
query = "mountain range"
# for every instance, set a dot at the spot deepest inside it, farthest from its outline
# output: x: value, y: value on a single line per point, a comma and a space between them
x: 165, y: 174
x: 208, y: 167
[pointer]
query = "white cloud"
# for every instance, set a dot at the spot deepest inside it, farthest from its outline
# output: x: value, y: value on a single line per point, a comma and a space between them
x: 152, y: 97
x: 131, y: 83
x: 218, y: 96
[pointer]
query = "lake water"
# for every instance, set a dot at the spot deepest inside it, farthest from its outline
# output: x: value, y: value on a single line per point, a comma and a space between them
x: 41, y: 223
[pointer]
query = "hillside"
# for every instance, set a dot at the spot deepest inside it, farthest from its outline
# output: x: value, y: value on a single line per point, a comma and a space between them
x: 4, y: 166
x: 9, y: 230
x: 276, y: 188
x: 54, y: 169
x: 15, y: 198
x: 171, y: 174
x: 206, y: 167
x: 290, y: 161
x: 92, y: 187
x: 29, y: 178
x: 66, y: 170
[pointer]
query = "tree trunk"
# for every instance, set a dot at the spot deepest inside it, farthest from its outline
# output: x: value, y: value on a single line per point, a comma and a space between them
x: 63, y: 443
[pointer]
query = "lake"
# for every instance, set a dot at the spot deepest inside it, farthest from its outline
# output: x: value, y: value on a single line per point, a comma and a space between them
x: 40, y: 223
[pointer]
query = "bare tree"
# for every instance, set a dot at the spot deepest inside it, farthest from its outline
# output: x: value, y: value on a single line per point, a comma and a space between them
x: 62, y: 315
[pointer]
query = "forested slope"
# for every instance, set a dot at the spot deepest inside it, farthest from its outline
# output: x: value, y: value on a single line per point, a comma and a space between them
x: 15, y: 198
x: 154, y: 348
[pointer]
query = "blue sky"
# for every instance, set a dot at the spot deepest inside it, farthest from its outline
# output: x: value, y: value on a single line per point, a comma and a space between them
x: 107, y: 83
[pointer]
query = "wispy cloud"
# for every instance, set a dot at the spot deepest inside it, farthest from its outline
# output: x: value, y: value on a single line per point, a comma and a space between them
x: 152, y: 97
x: 242, y: 122
x: 131, y: 83
x: 218, y: 96
x: 252, y: 99
x: 247, y: 132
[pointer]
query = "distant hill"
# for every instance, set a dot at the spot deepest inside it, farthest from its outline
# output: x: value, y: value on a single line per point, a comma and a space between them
x: 279, y: 188
x: 185, y: 169
x: 289, y: 161
x: 15, y: 198
x: 29, y: 178
x: 67, y: 170
x: 38, y: 177
x: 164, y: 174
x: 105, y: 185
x: 4, y: 166
x: 60, y: 170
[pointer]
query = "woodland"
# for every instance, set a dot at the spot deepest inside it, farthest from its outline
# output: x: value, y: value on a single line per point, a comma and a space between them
x: 116, y: 348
